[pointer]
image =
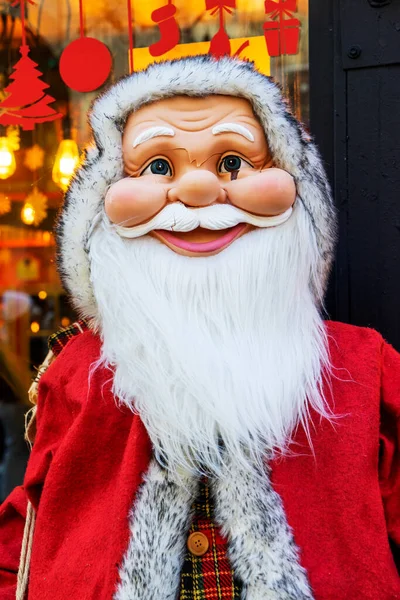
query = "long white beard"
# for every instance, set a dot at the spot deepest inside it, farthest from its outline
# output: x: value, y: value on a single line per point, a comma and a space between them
x: 227, y: 351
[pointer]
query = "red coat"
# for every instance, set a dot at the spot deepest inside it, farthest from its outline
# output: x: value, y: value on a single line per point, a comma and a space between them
x: 89, y: 457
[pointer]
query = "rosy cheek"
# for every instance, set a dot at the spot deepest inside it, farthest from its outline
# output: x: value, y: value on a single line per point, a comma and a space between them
x: 270, y: 192
x: 131, y: 201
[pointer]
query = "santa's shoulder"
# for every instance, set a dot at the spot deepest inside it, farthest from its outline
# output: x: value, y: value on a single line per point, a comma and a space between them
x: 347, y: 333
x: 76, y: 356
x: 361, y: 345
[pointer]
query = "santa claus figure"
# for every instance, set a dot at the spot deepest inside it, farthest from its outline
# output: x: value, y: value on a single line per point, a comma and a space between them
x: 208, y: 435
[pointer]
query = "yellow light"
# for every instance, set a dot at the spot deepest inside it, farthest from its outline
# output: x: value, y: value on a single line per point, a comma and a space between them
x: 46, y: 236
x: 42, y: 294
x: 65, y: 322
x: 7, y: 159
x: 67, y: 165
x: 35, y: 327
x: 28, y: 214
x: 66, y: 161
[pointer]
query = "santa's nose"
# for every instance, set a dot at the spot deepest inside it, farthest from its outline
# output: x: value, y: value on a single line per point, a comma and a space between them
x: 197, y: 188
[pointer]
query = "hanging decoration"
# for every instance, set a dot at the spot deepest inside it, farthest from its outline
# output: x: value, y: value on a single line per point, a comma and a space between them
x: 34, y: 210
x: 27, y: 214
x: 130, y: 34
x: 165, y: 20
x: 86, y: 62
x: 67, y: 159
x: 220, y: 44
x: 26, y: 104
x: 12, y: 134
x: 281, y: 35
x: 7, y: 159
x: 34, y: 158
x: 5, y: 204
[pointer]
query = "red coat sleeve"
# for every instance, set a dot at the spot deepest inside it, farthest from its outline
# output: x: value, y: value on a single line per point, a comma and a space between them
x: 12, y: 522
x: 53, y: 420
x: 389, y: 472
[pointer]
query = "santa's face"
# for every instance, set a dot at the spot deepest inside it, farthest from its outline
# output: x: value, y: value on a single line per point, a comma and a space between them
x: 223, y: 351
x: 199, y: 175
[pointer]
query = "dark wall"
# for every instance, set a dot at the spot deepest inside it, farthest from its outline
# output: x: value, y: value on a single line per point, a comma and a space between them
x: 355, y: 119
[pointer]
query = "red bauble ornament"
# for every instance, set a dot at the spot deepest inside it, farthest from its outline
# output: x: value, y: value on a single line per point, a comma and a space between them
x: 85, y: 64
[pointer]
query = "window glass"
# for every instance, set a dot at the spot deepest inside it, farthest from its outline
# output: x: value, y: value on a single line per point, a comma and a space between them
x: 34, y: 165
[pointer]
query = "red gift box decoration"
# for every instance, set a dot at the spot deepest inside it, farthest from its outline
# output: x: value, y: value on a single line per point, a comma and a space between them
x: 281, y: 35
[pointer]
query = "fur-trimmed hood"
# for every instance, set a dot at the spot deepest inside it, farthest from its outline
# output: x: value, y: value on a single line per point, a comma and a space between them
x: 102, y: 166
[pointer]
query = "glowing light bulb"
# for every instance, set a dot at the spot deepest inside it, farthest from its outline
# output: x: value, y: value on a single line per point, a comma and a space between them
x: 28, y: 214
x: 66, y: 161
x: 7, y: 159
x: 65, y: 322
x: 35, y: 327
x: 42, y: 294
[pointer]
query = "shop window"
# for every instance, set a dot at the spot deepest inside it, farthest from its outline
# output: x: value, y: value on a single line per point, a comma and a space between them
x: 34, y: 165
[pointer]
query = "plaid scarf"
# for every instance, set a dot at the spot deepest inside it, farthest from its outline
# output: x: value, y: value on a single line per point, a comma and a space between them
x: 208, y: 577
x: 57, y: 341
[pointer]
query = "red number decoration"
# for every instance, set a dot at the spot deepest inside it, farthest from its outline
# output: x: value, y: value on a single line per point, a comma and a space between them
x: 281, y: 35
x: 164, y: 18
x: 26, y: 104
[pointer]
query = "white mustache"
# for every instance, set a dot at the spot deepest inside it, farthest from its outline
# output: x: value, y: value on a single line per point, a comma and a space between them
x: 177, y: 217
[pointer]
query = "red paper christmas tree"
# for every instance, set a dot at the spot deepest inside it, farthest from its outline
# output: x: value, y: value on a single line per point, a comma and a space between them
x: 26, y: 104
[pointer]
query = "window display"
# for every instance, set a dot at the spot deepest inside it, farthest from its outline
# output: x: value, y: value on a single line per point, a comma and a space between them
x: 54, y: 60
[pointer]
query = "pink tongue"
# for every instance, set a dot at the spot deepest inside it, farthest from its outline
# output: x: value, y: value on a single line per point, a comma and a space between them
x: 204, y: 246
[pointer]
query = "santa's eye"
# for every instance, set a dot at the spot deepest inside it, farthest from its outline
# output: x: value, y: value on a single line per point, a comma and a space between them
x: 159, y: 166
x: 232, y: 163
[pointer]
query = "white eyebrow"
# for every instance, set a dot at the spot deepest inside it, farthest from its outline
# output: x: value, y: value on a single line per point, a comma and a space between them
x: 233, y: 128
x: 150, y: 133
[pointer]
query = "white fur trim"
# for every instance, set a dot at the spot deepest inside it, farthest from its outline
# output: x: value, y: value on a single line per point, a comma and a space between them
x: 260, y: 543
x: 159, y: 523
x: 250, y: 514
x: 195, y: 76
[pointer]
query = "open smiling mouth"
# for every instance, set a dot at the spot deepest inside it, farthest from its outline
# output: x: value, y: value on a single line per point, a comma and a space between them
x: 202, y: 240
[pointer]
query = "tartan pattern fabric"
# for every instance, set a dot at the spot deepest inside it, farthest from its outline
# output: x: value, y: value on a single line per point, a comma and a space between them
x: 208, y: 577
x: 57, y: 341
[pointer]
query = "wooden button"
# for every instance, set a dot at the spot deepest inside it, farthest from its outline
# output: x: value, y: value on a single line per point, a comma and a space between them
x: 197, y: 543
